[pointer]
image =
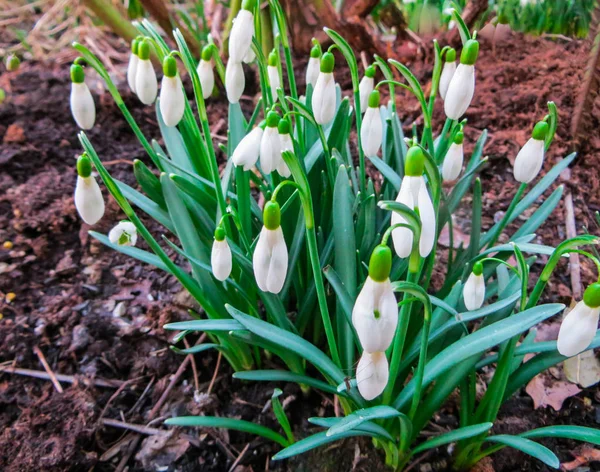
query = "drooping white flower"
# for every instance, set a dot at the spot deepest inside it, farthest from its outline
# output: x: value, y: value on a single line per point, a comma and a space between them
x: 474, y: 289
x: 250, y: 56
x: 242, y: 31
x: 235, y: 81
x: 579, y: 327
x: 447, y: 72
x: 462, y: 85
x: 372, y: 374
x: 270, y: 147
x: 270, y: 259
x: 220, y: 256
x: 206, y: 73
x: 274, y: 81
x: 124, y: 234
x: 172, y: 98
x: 247, y: 151
x: 453, y: 161
x: 286, y: 144
x: 324, y: 96
x: 132, y: 66
x: 146, y: 84
x: 88, y: 196
x: 365, y: 87
x: 83, y: 108
x: 530, y: 159
x: 375, y: 312
x: 313, y: 66
x: 371, y: 130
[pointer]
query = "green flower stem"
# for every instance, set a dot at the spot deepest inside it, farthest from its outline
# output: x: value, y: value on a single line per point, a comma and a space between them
x: 440, y: 152
x: 327, y: 152
x: 435, y: 77
x: 507, y: 215
x: 218, y: 62
x: 388, y: 232
x: 262, y: 75
x: 422, y: 360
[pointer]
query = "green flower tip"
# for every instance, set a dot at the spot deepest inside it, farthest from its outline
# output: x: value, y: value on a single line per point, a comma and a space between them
x: 374, y: 98
x: 273, y: 58
x: 77, y: 74
x: 84, y: 166
x: 450, y: 55
x: 380, y: 264
x: 249, y: 5
x: 272, y: 215
x: 327, y: 63
x: 478, y: 268
x: 591, y: 296
x: 502, y: 19
x: 540, y: 130
x: 273, y: 119
x: 219, y: 233
x: 144, y: 50
x: 170, y: 66
x: 459, y: 138
x: 370, y: 71
x: 12, y: 63
x: 135, y: 44
x: 415, y: 162
x: 470, y: 51
x: 207, y: 53
x: 315, y: 52
x: 284, y: 126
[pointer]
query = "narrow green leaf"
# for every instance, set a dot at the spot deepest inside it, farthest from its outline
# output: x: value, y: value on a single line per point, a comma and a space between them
x: 149, y: 207
x: 356, y: 418
x: 528, y: 447
x: 578, y: 433
x: 284, y: 376
x: 314, y: 441
x: 453, y: 436
x: 367, y: 427
x: 205, y: 325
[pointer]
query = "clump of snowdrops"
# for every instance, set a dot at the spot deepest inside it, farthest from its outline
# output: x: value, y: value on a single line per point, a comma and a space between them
x: 294, y: 252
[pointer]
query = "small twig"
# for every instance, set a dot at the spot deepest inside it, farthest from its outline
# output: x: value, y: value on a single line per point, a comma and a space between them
x: 47, y: 368
x: 118, y: 161
x: 194, y: 367
x: 574, y: 266
x: 114, y: 396
x: 419, y: 460
x: 336, y: 406
x: 142, y: 396
x: 38, y: 374
x: 214, y: 377
x: 239, y: 458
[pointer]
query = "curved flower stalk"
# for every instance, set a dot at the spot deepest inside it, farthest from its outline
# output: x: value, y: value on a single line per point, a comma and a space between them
x: 270, y: 259
x: 247, y: 151
x: 286, y: 143
x: 474, y: 289
x: 220, y: 256
x: 88, y: 196
x: 372, y: 374
x: 83, y: 108
x: 313, y: 66
x: 133, y: 64
x: 146, y: 85
x: 242, y: 30
x: 206, y: 73
x: 323, y: 98
x: 413, y: 193
x: 453, y: 161
x: 270, y: 147
x: 366, y: 86
x: 273, y: 74
x: 530, y: 159
x: 581, y: 323
x: 235, y: 81
x: 447, y: 72
x: 371, y: 130
x: 172, y: 98
x: 123, y: 234
x: 462, y: 85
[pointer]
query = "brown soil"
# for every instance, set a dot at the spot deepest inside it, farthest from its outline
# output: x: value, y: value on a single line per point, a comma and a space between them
x: 67, y: 285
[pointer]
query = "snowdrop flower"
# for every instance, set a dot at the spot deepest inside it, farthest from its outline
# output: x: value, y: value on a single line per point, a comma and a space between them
x: 247, y: 151
x: 270, y: 147
x: 273, y: 73
x: 462, y: 85
x: 206, y: 73
x: 270, y: 259
x: 220, y: 256
x: 286, y: 144
x: 250, y: 56
x: 82, y: 103
x: 146, y: 84
x: 372, y: 374
x: 12, y: 63
x: 453, y: 160
x: 323, y: 98
x: 371, y: 130
x: 172, y: 98
x: 313, y: 66
x: 124, y: 234
x: 579, y: 327
x: 133, y: 64
x: 88, y: 197
x: 413, y: 193
x: 366, y: 86
x: 474, y: 289
x: 235, y: 82
x: 375, y: 313
x: 447, y: 72
x: 528, y: 162
x: 242, y: 31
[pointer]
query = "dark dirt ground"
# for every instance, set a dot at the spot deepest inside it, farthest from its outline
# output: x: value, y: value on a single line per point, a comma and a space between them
x: 67, y: 286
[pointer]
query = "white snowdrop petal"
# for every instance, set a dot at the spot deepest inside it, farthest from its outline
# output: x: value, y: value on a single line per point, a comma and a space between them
x: 247, y: 151
x: 372, y: 374
x: 447, y: 73
x: 240, y: 38
x: 132, y: 71
x: 460, y: 91
x: 172, y: 100
x: 206, y: 75
x: 82, y: 105
x: 250, y: 56
x: 235, y: 81
x: 312, y: 71
x: 261, y: 260
x: 428, y: 223
x: 371, y: 132
x: 273, y: 74
x: 124, y: 227
x: 270, y: 150
x: 365, y: 87
x: 88, y: 200
x: 403, y: 237
x: 146, y: 84
x: 453, y: 162
x: 279, y: 261
x: 474, y: 292
x: 577, y: 330
x: 220, y: 259
x: 529, y: 161
x: 324, y: 98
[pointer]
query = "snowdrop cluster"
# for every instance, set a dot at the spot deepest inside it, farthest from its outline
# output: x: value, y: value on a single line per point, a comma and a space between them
x: 240, y: 50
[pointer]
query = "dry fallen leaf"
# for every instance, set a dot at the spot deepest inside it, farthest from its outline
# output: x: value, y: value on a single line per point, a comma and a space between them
x: 583, y: 369
x: 458, y: 235
x: 583, y: 456
x: 161, y: 450
x: 545, y: 390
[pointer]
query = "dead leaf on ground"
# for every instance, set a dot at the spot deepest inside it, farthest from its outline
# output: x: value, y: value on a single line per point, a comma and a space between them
x: 458, y: 235
x: 545, y: 390
x: 161, y: 450
x: 14, y: 134
x: 583, y: 369
x: 583, y: 456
